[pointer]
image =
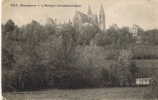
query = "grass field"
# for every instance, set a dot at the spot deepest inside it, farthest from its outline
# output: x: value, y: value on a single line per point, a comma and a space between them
x: 80, y: 94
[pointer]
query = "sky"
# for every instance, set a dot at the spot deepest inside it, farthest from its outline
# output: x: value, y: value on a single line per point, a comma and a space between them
x: 121, y: 12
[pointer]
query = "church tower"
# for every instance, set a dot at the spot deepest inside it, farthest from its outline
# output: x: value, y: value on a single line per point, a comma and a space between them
x: 89, y: 11
x: 102, y: 18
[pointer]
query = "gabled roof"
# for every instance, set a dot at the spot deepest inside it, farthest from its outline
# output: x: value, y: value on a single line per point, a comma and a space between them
x: 83, y: 16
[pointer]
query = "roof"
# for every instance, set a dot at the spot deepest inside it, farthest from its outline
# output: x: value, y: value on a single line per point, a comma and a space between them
x: 83, y: 17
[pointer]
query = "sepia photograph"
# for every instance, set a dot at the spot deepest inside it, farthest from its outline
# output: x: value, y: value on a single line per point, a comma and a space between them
x: 79, y: 49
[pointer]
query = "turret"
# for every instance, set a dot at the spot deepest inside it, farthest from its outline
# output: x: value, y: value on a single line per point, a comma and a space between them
x: 102, y: 18
x: 89, y: 10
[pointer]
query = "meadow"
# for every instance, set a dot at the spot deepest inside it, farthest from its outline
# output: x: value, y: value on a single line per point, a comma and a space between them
x: 125, y: 93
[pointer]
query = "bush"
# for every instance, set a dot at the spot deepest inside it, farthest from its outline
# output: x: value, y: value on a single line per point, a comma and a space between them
x: 153, y: 89
x: 51, y: 56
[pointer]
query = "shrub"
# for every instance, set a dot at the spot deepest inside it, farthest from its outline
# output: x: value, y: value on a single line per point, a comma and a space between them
x: 153, y: 89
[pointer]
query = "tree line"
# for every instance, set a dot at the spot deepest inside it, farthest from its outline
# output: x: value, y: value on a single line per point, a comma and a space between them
x: 36, y: 56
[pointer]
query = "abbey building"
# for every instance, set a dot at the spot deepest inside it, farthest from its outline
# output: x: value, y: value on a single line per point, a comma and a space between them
x: 90, y: 18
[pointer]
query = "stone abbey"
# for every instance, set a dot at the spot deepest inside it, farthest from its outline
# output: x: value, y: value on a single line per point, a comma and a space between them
x: 90, y: 18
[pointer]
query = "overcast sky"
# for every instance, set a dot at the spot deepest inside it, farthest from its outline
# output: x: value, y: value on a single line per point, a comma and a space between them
x: 121, y: 12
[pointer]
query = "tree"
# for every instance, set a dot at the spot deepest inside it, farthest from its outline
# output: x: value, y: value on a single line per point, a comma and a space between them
x: 103, y: 39
x: 8, y: 54
x: 65, y: 56
x: 153, y: 89
x: 9, y: 26
x: 150, y: 37
x: 121, y: 68
x: 87, y: 33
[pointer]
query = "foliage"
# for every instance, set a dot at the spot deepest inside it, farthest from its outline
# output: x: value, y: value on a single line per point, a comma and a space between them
x: 150, y: 37
x: 153, y: 89
x: 36, y: 56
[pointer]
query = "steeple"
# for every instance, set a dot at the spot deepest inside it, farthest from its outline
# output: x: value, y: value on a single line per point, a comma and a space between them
x: 102, y: 11
x: 69, y: 21
x: 89, y: 10
x: 102, y: 18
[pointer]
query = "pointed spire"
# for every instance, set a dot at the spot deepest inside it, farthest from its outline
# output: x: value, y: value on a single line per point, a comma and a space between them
x: 102, y: 18
x: 69, y: 21
x: 89, y: 10
x: 101, y: 11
